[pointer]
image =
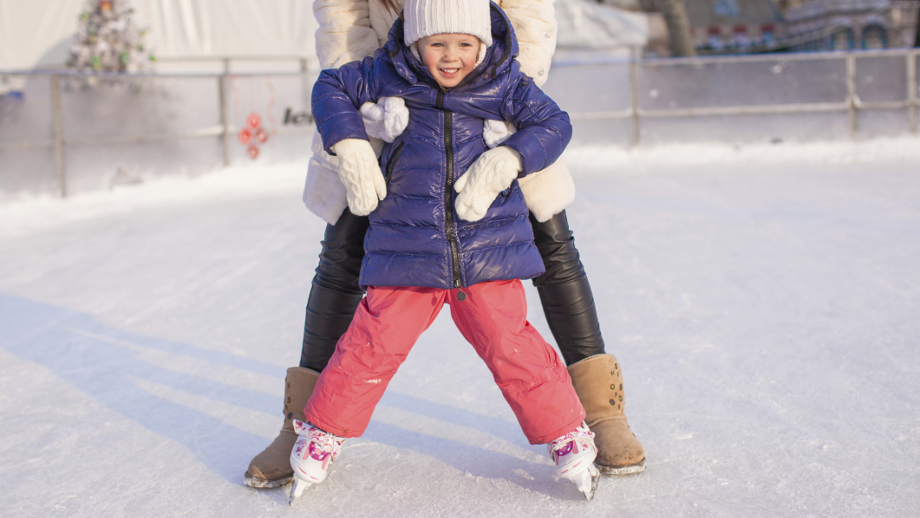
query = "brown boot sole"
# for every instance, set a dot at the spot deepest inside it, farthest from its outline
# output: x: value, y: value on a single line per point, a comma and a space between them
x: 261, y: 483
x: 622, y: 470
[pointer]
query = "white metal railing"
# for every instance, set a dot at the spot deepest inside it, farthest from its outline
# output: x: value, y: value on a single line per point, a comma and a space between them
x: 634, y: 113
x: 852, y: 104
x: 224, y: 129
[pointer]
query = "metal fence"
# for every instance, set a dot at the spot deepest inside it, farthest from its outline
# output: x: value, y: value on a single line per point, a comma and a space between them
x: 64, y: 132
x: 769, y: 97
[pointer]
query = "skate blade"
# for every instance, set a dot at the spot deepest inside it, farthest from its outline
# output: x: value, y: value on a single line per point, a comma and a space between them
x: 297, y: 489
x: 587, y: 481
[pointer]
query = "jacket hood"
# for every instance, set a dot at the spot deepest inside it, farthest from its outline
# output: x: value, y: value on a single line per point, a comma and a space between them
x: 497, y: 60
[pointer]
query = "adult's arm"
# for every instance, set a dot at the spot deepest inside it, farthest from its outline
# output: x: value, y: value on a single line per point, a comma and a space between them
x: 534, y: 23
x: 345, y: 33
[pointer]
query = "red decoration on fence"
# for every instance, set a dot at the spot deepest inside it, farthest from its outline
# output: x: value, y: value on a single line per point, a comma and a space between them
x: 253, y: 135
x: 254, y: 121
x: 245, y: 136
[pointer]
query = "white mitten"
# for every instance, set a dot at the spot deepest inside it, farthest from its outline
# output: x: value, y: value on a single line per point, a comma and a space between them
x: 489, y: 175
x: 360, y: 172
x: 495, y: 132
x: 386, y: 119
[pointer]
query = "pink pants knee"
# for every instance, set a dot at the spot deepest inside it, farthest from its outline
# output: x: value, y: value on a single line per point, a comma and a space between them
x: 492, y: 317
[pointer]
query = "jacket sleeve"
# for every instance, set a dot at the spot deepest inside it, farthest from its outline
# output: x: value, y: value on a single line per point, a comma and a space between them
x: 544, y: 130
x: 534, y: 23
x: 337, y: 97
x: 345, y: 33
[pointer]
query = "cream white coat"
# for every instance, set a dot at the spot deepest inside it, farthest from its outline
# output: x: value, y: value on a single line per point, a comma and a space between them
x: 350, y: 30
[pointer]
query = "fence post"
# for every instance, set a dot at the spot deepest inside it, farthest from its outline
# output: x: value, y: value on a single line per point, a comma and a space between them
x: 58, y: 133
x: 634, y: 97
x: 852, y: 99
x: 912, y: 90
x: 305, y: 82
x: 224, y: 118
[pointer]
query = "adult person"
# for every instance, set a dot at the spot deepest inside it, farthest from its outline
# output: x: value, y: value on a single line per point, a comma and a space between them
x: 351, y: 30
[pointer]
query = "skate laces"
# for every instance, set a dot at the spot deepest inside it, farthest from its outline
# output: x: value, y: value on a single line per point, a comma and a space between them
x: 582, y: 433
x: 320, y: 440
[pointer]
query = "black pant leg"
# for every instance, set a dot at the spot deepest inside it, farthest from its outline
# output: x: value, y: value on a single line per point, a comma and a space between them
x: 568, y: 302
x: 335, y: 293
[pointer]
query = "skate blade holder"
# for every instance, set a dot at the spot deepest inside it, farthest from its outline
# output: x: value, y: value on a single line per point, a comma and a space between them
x: 587, y: 481
x: 297, y: 488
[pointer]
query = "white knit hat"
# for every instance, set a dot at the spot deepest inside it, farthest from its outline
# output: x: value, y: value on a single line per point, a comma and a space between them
x: 428, y: 17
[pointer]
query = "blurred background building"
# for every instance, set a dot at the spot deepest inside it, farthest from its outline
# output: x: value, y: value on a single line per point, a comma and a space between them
x: 754, y: 26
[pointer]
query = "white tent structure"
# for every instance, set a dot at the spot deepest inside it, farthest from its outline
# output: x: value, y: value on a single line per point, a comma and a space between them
x: 592, y: 26
x: 39, y: 34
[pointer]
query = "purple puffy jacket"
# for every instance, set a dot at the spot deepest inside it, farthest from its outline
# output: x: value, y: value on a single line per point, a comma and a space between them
x: 415, y: 237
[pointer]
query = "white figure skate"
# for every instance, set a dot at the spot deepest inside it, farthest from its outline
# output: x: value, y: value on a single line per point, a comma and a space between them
x: 574, y: 454
x: 313, y: 452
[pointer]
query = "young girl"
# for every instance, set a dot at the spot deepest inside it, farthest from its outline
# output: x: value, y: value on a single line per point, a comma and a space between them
x: 354, y: 29
x: 451, y: 62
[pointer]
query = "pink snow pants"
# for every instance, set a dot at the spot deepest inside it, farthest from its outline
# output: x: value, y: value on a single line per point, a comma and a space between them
x: 493, y: 317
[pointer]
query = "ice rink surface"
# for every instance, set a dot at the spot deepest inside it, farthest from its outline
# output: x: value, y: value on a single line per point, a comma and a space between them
x: 764, y: 304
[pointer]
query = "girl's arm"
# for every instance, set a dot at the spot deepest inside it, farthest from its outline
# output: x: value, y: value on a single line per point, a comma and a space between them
x: 534, y: 23
x: 337, y: 96
x: 345, y: 33
x: 544, y: 130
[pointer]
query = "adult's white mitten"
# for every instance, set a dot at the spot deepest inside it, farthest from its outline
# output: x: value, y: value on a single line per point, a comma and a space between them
x: 489, y: 175
x: 386, y: 119
x: 495, y: 132
x: 361, y: 175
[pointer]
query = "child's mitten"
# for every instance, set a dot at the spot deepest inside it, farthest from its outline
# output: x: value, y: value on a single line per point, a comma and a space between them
x: 360, y: 172
x: 386, y: 119
x: 489, y: 175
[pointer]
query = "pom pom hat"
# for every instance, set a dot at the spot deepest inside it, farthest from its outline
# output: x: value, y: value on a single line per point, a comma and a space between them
x: 428, y: 17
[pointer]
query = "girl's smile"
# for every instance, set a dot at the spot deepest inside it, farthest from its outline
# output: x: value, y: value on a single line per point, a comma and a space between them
x: 449, y: 57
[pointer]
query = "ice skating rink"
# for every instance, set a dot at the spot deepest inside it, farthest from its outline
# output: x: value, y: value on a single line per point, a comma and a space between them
x: 764, y: 304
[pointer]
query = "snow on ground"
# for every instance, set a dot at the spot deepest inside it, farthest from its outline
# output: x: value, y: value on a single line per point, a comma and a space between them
x: 762, y: 301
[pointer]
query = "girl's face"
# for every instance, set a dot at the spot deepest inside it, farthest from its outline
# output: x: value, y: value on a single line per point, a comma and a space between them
x: 449, y: 57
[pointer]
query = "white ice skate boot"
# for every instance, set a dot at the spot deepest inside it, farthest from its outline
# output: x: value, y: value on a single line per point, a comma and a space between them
x: 313, y: 452
x: 574, y: 454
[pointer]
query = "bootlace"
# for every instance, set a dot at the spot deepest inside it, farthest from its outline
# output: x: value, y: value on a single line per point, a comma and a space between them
x: 321, y: 440
x: 582, y: 432
x: 325, y: 441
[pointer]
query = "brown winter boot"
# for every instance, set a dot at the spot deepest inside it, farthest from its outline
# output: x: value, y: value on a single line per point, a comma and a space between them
x: 272, y: 467
x: 599, y: 385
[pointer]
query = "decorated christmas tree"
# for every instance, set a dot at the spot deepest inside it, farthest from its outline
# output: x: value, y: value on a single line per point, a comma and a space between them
x: 107, y: 39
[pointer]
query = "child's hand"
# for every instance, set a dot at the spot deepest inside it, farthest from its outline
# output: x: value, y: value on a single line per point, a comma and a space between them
x: 489, y: 175
x: 360, y: 172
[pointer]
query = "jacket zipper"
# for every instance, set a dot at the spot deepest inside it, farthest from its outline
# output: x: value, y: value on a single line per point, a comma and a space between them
x: 393, y: 158
x: 448, y: 192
